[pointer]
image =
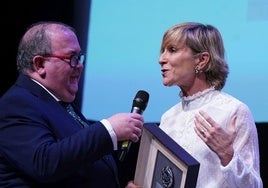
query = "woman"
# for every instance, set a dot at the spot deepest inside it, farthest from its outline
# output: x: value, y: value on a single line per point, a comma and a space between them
x: 217, y: 129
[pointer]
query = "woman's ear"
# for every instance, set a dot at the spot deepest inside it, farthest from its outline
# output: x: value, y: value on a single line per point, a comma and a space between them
x: 204, y: 58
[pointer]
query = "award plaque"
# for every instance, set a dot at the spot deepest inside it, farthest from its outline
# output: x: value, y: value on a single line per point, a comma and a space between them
x: 162, y: 163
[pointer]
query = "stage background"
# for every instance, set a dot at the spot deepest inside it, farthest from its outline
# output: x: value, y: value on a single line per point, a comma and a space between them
x: 123, y: 46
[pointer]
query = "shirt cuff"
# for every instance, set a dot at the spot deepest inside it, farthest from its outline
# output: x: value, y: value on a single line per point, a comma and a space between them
x: 110, y: 130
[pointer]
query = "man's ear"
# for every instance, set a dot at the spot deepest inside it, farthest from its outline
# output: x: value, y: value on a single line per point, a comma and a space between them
x: 38, y: 64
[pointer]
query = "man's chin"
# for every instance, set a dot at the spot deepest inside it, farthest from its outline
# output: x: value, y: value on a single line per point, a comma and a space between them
x: 73, y: 92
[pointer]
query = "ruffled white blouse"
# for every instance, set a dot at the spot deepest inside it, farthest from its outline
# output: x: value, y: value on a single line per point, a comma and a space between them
x: 243, y: 170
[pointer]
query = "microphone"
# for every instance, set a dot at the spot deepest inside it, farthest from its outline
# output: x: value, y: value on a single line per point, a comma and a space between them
x: 138, y: 106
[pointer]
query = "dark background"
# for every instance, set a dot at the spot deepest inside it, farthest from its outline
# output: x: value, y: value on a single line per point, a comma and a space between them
x: 17, y: 16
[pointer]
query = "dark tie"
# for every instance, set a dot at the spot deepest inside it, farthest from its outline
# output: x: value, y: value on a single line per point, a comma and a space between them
x: 71, y: 111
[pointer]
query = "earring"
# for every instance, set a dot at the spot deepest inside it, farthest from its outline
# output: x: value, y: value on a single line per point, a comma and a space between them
x: 196, y: 70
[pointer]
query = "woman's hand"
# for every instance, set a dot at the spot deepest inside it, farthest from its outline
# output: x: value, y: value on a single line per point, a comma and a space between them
x: 217, y: 138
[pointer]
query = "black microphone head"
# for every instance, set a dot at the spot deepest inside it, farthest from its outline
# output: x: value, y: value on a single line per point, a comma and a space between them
x: 141, y: 100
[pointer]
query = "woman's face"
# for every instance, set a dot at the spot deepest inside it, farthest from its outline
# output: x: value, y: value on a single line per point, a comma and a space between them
x: 177, y: 65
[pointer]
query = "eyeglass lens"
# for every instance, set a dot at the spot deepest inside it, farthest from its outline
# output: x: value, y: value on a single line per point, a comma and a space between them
x: 75, y: 59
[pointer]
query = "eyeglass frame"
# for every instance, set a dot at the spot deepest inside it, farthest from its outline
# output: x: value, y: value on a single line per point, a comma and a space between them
x: 78, y: 58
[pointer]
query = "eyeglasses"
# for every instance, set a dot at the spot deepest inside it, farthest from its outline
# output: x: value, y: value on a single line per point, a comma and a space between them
x: 73, y: 60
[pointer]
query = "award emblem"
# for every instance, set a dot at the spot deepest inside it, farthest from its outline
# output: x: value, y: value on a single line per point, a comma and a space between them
x: 167, y: 177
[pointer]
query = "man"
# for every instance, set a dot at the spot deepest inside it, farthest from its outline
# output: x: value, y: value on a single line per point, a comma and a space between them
x: 41, y: 144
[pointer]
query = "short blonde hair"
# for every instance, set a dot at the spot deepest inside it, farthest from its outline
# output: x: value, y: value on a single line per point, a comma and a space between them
x: 201, y: 38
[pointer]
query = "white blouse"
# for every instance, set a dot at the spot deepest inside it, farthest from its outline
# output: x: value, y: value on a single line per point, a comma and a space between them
x: 243, y: 170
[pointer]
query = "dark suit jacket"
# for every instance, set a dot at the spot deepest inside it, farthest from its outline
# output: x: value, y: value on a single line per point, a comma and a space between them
x: 41, y: 145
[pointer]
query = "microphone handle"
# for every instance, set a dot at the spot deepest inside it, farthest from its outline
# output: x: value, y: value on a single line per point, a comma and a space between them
x: 136, y: 110
x: 124, y: 150
x: 126, y: 144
